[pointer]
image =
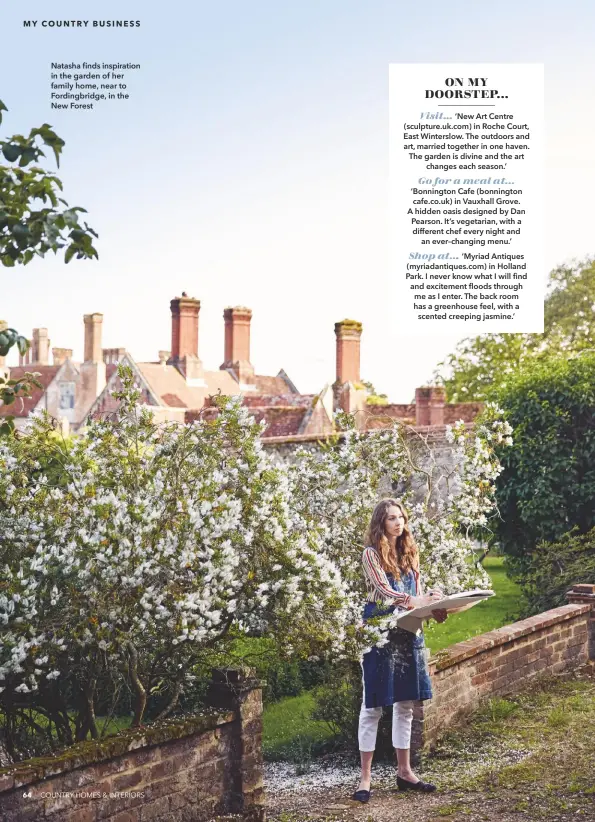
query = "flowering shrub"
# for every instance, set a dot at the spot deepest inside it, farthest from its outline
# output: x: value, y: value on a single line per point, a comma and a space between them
x: 156, y: 544
x: 148, y: 547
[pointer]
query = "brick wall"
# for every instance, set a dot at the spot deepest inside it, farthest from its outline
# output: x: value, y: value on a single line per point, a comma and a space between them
x: 192, y: 769
x: 501, y: 661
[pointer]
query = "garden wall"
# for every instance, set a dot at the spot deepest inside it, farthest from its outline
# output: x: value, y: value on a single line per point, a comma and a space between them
x: 499, y: 662
x: 174, y: 771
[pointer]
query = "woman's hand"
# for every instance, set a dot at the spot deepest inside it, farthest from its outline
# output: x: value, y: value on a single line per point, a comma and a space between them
x: 426, y: 599
x: 440, y: 614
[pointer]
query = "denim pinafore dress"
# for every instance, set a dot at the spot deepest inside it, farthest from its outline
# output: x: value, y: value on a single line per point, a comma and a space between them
x: 397, y: 671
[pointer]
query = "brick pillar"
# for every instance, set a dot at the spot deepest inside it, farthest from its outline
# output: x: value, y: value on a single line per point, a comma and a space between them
x: 429, y: 405
x: 583, y: 594
x: 236, y: 689
x: 60, y: 355
x: 348, y: 333
x: 237, y: 344
x: 40, y: 347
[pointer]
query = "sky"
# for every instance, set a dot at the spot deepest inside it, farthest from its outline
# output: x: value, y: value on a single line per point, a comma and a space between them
x: 250, y: 167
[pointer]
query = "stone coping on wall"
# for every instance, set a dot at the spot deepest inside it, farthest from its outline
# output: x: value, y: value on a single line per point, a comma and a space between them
x: 95, y: 751
x: 500, y: 636
x: 429, y: 432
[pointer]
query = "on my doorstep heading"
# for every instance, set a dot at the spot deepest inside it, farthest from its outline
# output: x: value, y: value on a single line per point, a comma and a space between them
x: 81, y: 24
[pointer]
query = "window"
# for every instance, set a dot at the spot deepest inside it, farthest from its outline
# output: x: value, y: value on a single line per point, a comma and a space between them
x: 66, y: 395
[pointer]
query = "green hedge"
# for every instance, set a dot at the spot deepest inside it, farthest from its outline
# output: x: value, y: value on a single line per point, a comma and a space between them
x: 555, y: 567
x: 547, y: 486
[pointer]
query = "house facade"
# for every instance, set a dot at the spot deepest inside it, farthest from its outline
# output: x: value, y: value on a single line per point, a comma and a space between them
x: 178, y: 387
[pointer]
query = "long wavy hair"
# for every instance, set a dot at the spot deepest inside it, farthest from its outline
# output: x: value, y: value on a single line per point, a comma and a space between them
x: 407, y: 556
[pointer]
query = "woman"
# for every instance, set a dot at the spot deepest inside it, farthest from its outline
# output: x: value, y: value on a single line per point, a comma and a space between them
x: 395, y: 674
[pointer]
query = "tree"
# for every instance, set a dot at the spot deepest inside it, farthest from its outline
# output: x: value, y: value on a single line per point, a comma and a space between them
x: 479, y: 365
x: 33, y: 222
x: 547, y: 486
x: 34, y: 218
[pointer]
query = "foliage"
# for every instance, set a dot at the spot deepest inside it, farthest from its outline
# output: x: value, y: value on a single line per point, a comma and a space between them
x: 164, y: 542
x: 32, y: 220
x: 11, y: 389
x: 480, y: 365
x: 150, y: 548
x: 547, y: 486
x: 374, y: 398
x: 554, y: 567
x: 338, y: 702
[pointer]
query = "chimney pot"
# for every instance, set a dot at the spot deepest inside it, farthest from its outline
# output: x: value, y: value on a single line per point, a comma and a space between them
x: 429, y: 405
x: 112, y: 356
x: 60, y: 355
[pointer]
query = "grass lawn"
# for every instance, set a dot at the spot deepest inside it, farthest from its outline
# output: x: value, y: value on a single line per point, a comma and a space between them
x: 291, y: 733
x: 493, y: 613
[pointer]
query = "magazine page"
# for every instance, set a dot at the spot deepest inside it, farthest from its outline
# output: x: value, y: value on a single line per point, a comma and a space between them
x: 297, y: 340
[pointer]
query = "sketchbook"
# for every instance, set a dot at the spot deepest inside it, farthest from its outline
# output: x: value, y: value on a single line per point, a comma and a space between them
x: 413, y: 620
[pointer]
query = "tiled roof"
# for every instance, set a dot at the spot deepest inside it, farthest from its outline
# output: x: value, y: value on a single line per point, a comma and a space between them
x: 382, y: 416
x: 267, y: 400
x: 271, y: 385
x: 280, y: 421
x: 23, y: 406
x: 171, y: 387
x: 173, y: 400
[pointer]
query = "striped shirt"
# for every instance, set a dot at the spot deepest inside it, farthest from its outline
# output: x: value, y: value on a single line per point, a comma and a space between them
x: 378, y: 587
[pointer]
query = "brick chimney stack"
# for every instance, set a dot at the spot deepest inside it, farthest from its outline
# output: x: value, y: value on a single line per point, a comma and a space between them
x: 184, y: 326
x: 93, y: 332
x: 348, y: 333
x: 349, y: 394
x: 92, y: 370
x: 237, y: 344
x: 60, y: 355
x: 429, y: 405
x: 184, y: 338
x: 40, y: 347
x: 25, y: 359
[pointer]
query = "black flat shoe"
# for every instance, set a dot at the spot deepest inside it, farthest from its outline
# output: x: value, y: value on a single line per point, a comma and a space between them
x: 406, y: 785
x: 362, y: 796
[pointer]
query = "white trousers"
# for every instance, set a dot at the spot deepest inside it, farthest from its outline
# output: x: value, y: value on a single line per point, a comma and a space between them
x: 368, y: 725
